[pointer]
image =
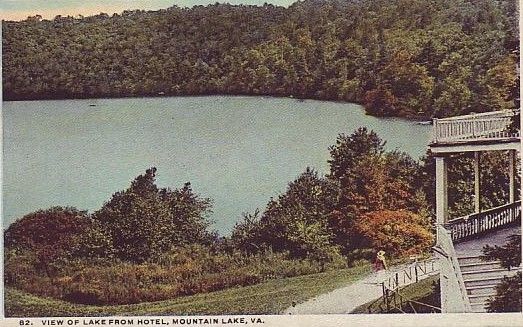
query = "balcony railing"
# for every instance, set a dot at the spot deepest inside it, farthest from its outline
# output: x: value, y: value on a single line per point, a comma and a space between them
x: 478, y: 223
x: 475, y: 127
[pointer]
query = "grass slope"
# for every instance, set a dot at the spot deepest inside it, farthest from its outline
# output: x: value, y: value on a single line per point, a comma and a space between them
x: 271, y: 297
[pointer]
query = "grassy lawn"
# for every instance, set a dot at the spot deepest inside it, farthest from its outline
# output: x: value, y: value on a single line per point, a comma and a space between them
x: 424, y: 291
x: 271, y: 297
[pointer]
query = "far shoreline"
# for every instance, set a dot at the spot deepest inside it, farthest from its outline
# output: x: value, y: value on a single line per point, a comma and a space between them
x: 291, y: 97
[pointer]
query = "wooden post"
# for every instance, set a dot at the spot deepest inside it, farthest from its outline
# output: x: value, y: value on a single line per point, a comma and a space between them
x: 435, y: 130
x: 388, y: 300
x: 512, y: 175
x: 477, y: 182
x: 441, y: 191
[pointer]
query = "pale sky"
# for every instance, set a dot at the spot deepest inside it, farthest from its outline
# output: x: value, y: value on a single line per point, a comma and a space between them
x: 21, y: 9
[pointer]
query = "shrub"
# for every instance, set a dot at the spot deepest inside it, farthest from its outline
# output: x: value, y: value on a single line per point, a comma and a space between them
x: 360, y: 255
x: 47, y: 235
x: 18, y: 266
x: 138, y: 220
x: 297, y: 221
x: 397, y: 232
x: 509, y: 254
x: 144, y: 221
x: 94, y: 244
x: 53, y: 227
x: 508, y: 292
x: 508, y: 295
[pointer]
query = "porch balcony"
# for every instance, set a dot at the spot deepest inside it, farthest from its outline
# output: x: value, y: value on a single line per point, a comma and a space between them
x: 475, y: 132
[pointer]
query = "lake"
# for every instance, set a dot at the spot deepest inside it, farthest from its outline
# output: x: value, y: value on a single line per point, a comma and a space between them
x: 237, y: 150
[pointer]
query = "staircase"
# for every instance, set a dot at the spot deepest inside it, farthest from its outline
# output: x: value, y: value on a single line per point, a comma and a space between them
x: 481, y: 278
x: 466, y: 281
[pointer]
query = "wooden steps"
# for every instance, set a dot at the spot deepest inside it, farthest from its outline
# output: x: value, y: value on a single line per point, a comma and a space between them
x: 481, y: 278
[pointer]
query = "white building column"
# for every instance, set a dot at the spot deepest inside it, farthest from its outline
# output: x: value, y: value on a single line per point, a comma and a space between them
x: 441, y: 191
x: 512, y: 175
x: 477, y: 182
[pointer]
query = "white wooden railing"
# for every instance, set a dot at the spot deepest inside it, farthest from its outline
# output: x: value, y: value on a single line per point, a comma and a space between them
x: 478, y: 223
x: 454, y: 296
x: 474, y: 127
x: 392, y: 300
x: 411, y: 274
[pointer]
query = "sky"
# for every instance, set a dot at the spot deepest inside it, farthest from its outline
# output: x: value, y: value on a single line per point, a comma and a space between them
x: 21, y: 9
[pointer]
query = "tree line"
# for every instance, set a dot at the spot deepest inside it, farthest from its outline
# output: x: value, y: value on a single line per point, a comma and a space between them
x: 398, y: 58
x: 317, y: 217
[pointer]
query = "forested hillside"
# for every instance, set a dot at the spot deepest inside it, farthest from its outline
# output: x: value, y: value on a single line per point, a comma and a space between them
x: 397, y: 57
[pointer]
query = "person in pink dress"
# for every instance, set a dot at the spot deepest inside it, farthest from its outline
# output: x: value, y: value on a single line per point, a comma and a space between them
x: 380, y: 263
x: 380, y: 267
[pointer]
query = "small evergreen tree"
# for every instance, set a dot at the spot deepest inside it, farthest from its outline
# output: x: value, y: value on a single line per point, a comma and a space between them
x: 246, y: 234
x: 508, y: 292
x: 189, y: 216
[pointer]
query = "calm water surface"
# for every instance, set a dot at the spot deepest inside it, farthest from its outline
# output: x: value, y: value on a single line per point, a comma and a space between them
x: 239, y: 151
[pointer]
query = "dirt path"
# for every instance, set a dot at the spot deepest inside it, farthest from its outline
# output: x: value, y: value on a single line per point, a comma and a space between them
x: 348, y: 298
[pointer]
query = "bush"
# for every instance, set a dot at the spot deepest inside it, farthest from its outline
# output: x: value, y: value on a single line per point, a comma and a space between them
x: 357, y: 256
x: 95, y: 243
x: 54, y: 228
x: 508, y: 295
x: 399, y: 233
x: 143, y: 221
x: 509, y: 254
x: 297, y: 221
x: 19, y: 266
x: 508, y: 292
x: 43, y: 238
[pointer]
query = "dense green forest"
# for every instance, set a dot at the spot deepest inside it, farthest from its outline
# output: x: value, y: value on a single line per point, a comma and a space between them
x: 397, y: 57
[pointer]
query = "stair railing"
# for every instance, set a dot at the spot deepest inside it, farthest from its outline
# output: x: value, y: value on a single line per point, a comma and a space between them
x: 454, y: 296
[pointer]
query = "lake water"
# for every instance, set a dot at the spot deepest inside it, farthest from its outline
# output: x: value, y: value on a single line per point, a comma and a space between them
x: 239, y: 151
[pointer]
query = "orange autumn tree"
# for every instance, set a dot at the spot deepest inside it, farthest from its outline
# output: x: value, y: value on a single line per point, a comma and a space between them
x: 399, y: 233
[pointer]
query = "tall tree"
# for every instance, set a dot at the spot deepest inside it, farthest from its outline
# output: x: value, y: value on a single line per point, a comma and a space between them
x: 189, y: 214
x: 298, y: 221
x: 138, y: 220
x: 370, y: 180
